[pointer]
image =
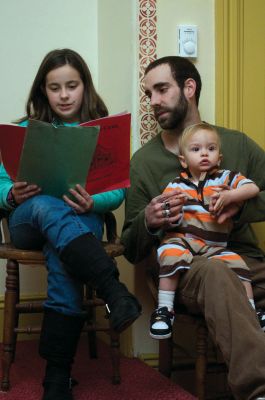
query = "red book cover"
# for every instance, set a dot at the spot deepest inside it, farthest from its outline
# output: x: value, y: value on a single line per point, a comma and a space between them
x: 111, y: 162
x: 11, y: 144
x: 110, y: 165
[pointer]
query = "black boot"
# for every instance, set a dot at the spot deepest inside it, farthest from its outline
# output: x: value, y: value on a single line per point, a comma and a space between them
x: 85, y: 259
x: 58, y: 342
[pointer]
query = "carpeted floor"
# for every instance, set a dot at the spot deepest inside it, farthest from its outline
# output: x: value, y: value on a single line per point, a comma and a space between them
x: 139, y: 381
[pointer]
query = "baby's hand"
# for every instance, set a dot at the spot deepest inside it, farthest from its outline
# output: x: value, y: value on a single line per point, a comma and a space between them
x: 228, y: 212
x: 220, y: 199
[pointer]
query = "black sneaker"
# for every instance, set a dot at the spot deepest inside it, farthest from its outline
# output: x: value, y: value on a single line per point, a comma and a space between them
x: 161, y: 323
x: 261, y: 318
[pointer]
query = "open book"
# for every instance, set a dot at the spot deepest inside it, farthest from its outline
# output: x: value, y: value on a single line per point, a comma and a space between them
x: 95, y: 154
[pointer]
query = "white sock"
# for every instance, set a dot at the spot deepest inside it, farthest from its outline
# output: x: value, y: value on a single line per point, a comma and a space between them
x: 166, y: 299
x: 252, y: 303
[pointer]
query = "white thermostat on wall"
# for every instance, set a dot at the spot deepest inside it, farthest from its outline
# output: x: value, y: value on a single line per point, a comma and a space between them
x: 187, y: 35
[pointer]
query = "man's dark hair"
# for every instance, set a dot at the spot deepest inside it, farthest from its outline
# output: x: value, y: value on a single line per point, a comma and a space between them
x: 181, y: 69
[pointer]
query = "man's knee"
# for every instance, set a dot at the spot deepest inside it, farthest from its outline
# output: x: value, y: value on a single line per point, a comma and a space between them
x: 210, y: 273
x: 219, y: 270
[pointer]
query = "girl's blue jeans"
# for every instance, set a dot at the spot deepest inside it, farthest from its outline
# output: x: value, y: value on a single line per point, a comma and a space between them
x: 49, y: 224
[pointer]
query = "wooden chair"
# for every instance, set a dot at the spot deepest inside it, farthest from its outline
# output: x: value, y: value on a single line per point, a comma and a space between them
x: 166, y: 347
x: 13, y: 306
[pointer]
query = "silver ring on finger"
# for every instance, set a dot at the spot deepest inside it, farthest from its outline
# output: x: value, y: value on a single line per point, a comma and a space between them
x: 166, y: 205
x: 166, y: 213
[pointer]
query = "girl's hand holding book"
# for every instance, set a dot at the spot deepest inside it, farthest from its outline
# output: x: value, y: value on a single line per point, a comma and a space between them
x: 82, y: 202
x: 22, y: 191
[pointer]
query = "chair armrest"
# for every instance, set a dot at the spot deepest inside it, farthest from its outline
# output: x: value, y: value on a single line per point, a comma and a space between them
x: 4, y: 231
x: 4, y: 214
x: 111, y: 228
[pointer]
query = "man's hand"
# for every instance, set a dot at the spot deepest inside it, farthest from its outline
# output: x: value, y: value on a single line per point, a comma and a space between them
x: 21, y: 191
x: 165, y: 210
x: 83, y: 201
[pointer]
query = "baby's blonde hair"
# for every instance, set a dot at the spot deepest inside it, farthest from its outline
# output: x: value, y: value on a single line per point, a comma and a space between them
x: 191, y: 130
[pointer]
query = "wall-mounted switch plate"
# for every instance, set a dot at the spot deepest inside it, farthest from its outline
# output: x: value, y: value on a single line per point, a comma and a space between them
x: 187, y: 39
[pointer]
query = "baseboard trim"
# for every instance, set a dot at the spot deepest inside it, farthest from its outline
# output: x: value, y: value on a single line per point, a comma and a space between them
x: 151, y: 359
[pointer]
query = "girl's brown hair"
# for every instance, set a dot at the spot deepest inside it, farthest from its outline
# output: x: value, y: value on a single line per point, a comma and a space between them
x: 37, y: 106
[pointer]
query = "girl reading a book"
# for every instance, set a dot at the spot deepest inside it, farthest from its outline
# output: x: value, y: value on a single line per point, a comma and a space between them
x: 68, y: 230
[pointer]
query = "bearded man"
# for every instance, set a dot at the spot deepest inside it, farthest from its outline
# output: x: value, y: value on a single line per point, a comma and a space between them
x: 173, y: 86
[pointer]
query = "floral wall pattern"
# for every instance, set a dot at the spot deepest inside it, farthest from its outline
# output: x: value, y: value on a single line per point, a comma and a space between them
x: 147, y: 53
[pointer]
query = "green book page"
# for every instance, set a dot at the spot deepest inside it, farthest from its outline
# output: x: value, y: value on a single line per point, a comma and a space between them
x: 57, y: 158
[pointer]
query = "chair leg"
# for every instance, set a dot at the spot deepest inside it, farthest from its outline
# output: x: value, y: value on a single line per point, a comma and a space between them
x: 10, y: 321
x: 165, y: 357
x: 201, y: 361
x: 115, y: 356
x: 91, y: 318
x: 92, y: 344
x: 16, y: 311
x: 92, y: 339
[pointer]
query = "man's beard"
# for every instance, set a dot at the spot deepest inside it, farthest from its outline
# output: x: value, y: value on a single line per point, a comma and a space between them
x: 176, y: 115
